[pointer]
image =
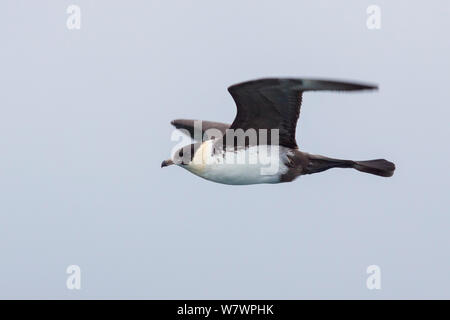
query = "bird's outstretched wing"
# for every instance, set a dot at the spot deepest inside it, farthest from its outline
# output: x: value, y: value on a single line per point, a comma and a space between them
x: 274, y: 103
x: 197, y: 128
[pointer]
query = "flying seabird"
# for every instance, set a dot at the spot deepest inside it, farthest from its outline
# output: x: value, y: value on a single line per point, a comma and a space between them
x: 260, y: 146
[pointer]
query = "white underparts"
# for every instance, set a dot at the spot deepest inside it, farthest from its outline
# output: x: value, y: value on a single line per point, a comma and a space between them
x: 251, y: 165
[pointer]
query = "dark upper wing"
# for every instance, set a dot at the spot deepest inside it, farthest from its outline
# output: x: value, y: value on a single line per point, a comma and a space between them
x: 203, y: 126
x: 275, y: 103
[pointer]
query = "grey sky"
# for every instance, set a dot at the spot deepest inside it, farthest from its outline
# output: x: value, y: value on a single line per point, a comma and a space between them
x: 84, y: 126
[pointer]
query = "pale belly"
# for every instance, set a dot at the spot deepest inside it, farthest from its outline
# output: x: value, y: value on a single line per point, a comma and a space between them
x: 254, y: 165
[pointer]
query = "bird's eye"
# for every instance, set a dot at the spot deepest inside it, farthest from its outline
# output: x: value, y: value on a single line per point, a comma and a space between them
x: 181, y: 153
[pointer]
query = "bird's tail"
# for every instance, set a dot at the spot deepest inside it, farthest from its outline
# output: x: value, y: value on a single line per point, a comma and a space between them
x: 379, y: 167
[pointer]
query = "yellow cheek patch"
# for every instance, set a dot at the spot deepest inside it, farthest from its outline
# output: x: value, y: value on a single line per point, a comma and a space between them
x: 200, y: 158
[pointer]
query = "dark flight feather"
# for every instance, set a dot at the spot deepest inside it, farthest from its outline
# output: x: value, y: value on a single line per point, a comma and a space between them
x: 274, y: 103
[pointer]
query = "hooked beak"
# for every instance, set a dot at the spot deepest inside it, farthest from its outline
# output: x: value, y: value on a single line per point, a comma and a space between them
x: 166, y: 163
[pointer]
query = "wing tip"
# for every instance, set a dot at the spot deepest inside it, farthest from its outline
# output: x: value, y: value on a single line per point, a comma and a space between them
x: 311, y: 84
x: 178, y: 122
x: 365, y: 86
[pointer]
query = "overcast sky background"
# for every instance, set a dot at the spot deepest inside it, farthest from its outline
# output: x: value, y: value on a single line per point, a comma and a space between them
x: 84, y: 126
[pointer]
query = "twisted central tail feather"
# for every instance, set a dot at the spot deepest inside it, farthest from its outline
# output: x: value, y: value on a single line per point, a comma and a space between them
x: 379, y: 167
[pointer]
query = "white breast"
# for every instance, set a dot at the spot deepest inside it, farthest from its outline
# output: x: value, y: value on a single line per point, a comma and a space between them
x: 252, y: 165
